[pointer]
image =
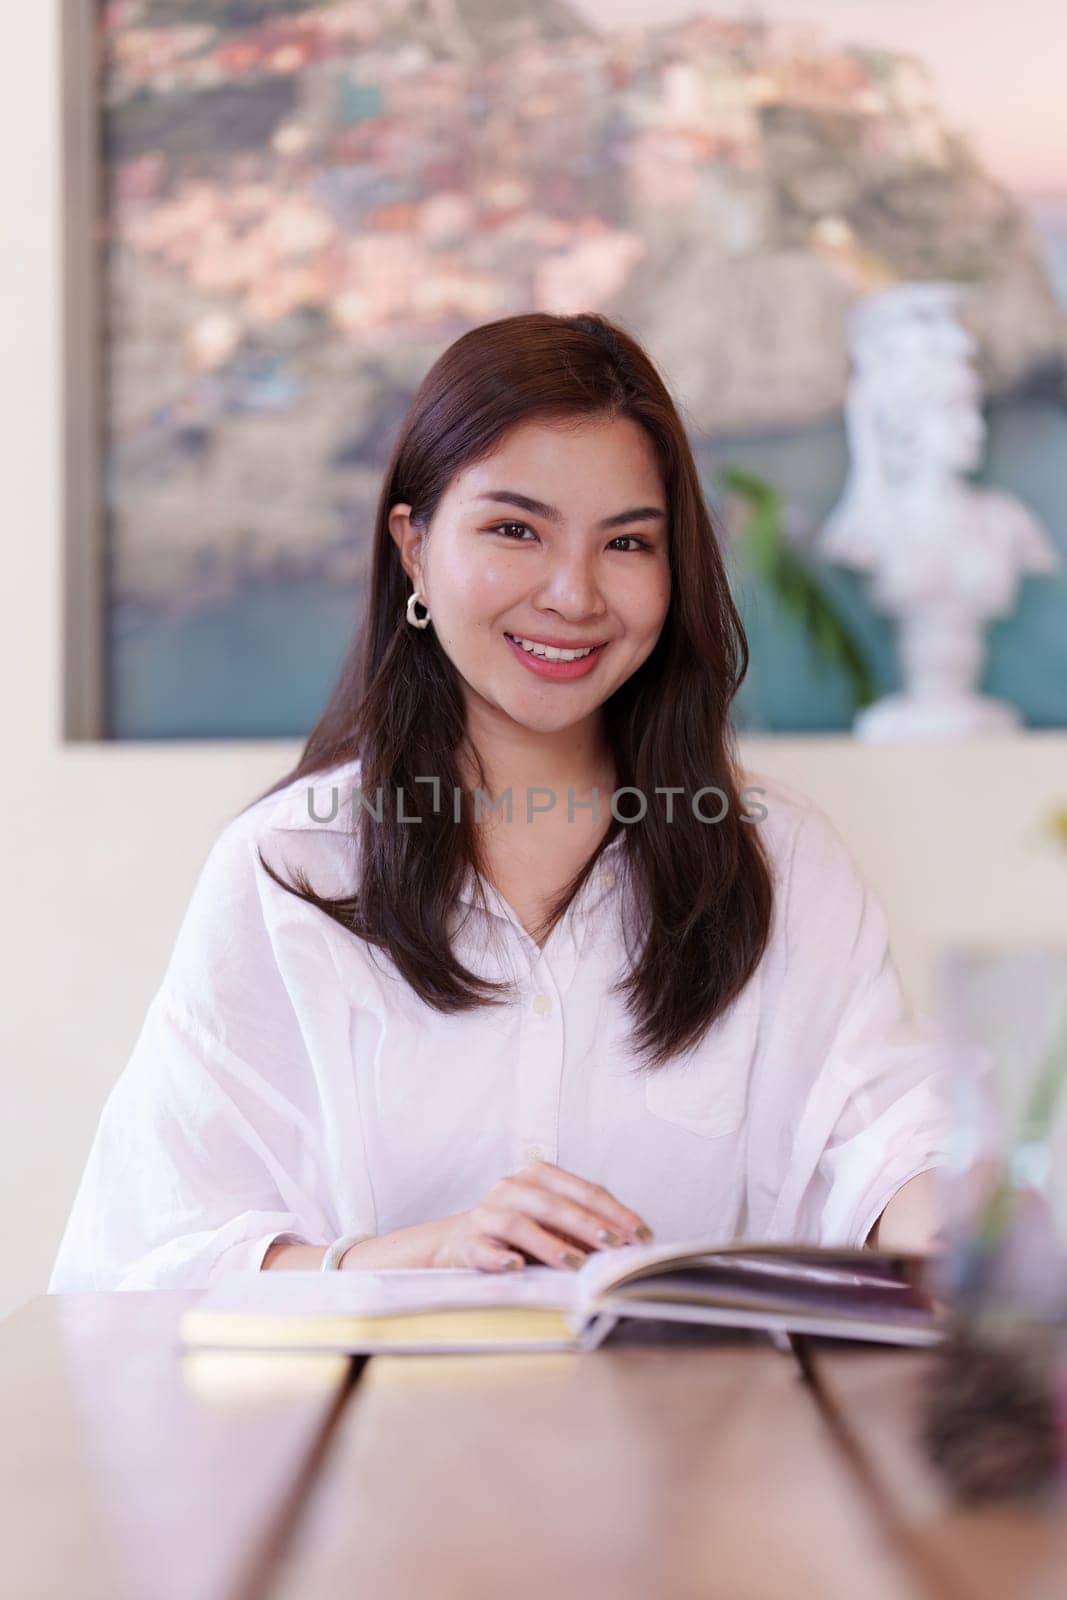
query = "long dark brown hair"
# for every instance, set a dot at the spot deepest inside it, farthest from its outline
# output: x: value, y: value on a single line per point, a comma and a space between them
x: 703, y: 892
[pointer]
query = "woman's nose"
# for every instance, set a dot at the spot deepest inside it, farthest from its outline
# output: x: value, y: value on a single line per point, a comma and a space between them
x: 571, y: 587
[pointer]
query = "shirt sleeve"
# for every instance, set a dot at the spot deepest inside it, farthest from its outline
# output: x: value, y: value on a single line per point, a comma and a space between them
x: 206, y: 1150
x: 851, y: 1101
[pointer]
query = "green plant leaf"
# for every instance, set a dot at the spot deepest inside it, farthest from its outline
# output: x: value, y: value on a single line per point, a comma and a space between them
x: 794, y: 583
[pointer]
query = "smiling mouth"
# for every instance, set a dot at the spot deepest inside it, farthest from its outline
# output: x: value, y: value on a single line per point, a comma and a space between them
x: 552, y: 653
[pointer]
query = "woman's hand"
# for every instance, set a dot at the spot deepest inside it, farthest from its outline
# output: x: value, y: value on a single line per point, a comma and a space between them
x: 543, y: 1213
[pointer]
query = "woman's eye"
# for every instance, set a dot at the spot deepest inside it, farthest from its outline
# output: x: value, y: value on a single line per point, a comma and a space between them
x: 642, y: 544
x: 623, y: 538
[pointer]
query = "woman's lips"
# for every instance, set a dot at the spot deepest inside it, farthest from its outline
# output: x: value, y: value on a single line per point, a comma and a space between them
x: 559, y: 670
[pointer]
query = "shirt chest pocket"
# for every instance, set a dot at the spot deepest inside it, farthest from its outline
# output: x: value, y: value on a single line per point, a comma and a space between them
x: 706, y: 1091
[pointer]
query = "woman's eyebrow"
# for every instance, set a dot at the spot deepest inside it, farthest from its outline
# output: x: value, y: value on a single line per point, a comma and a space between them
x: 537, y: 508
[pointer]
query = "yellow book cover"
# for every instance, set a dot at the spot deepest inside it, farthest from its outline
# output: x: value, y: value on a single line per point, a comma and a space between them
x: 390, y: 1309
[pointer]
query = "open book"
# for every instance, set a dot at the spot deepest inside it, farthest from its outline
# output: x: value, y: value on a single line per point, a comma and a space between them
x: 849, y: 1294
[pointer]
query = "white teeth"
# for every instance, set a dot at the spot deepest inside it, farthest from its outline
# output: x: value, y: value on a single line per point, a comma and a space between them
x: 549, y: 652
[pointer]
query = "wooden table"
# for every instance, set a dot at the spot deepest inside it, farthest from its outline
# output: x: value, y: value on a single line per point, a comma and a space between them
x: 668, y: 1465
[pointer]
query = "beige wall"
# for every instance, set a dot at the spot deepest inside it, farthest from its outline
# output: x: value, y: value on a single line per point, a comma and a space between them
x: 102, y: 843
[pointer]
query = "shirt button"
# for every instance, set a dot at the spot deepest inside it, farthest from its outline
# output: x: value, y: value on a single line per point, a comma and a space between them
x: 533, y: 1152
x: 542, y: 1004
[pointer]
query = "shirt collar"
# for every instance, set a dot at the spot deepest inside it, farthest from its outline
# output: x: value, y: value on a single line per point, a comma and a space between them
x: 324, y: 801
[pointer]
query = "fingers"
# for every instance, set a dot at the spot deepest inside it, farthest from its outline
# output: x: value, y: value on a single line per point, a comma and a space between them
x: 581, y: 1197
x: 546, y: 1214
x: 556, y: 1213
x: 489, y: 1255
x: 514, y: 1227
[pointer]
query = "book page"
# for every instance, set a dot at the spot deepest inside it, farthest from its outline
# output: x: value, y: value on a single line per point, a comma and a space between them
x: 867, y: 1282
x: 889, y: 1303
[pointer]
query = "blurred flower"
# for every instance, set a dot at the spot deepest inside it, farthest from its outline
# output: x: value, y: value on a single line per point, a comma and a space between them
x: 1057, y: 826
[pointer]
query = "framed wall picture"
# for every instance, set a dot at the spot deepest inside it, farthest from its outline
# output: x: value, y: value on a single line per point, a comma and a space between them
x: 279, y: 212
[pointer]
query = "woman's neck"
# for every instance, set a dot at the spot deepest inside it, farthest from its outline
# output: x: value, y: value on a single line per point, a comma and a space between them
x: 577, y: 760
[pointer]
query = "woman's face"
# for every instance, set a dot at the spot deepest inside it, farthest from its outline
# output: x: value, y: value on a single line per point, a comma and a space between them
x: 582, y: 560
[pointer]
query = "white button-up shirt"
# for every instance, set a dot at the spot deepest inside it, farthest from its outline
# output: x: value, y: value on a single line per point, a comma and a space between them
x: 288, y: 1083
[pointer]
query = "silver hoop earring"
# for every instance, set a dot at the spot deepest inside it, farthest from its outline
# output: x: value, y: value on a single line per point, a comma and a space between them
x: 417, y: 622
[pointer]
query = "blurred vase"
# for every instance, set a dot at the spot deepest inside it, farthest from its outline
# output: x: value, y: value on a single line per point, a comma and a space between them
x: 994, y: 1419
x: 1004, y: 1010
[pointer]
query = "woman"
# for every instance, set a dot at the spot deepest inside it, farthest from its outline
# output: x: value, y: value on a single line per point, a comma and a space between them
x: 403, y: 1026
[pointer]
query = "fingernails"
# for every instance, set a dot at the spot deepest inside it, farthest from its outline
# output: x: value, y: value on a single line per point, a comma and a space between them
x: 512, y: 1263
x: 605, y: 1236
x: 570, y: 1259
x: 644, y: 1233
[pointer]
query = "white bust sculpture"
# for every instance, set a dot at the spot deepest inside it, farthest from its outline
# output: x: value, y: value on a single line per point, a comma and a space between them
x: 944, y: 556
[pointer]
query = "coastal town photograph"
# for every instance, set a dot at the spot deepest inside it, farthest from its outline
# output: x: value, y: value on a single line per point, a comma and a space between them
x: 303, y: 204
